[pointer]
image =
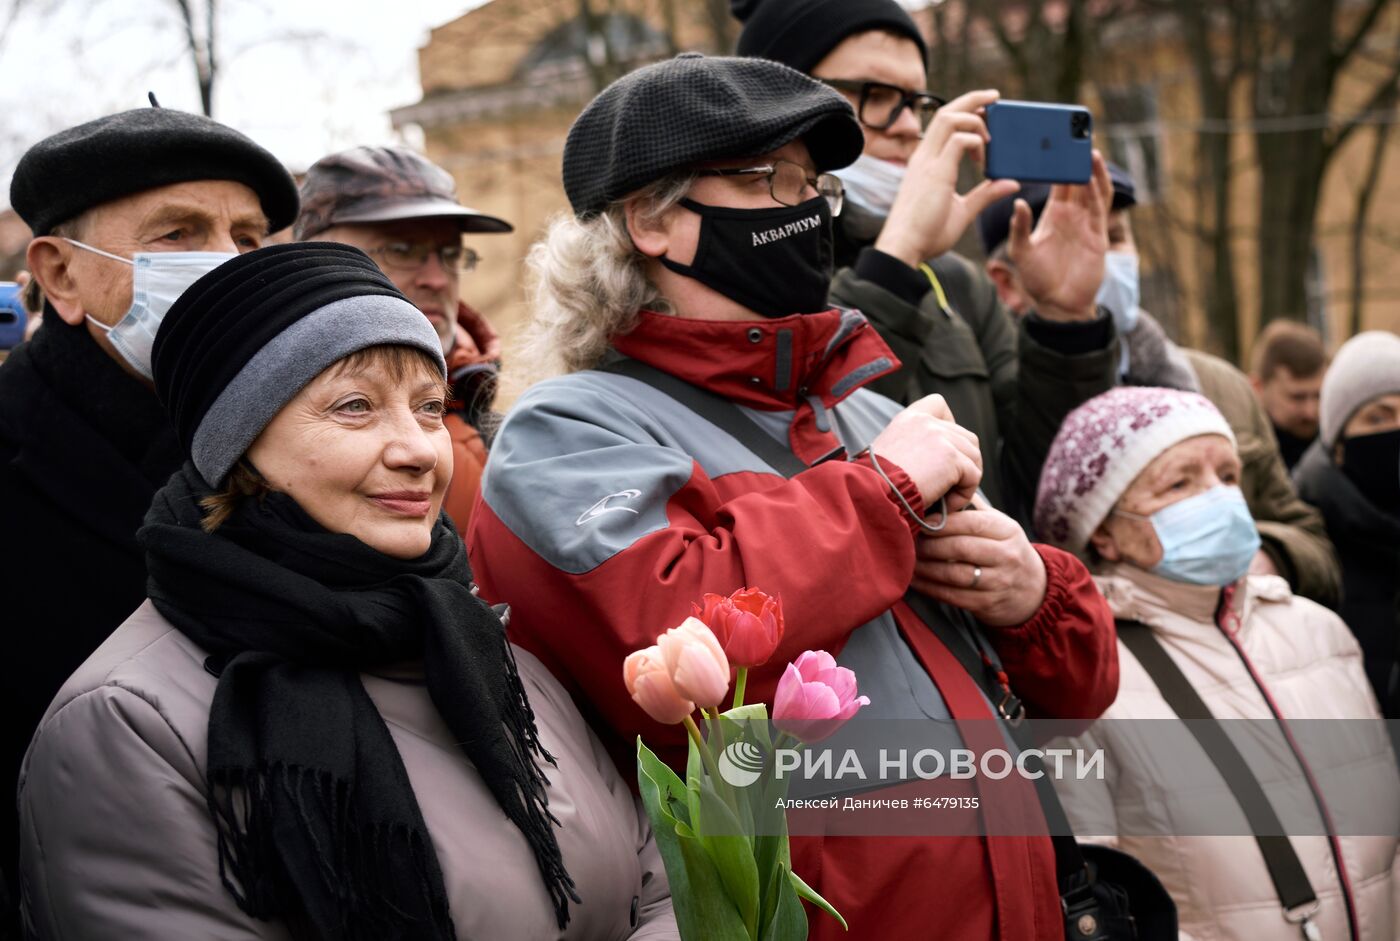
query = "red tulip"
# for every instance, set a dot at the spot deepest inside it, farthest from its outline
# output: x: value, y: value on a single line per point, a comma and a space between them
x: 649, y: 684
x: 815, y: 697
x: 748, y: 624
x: 696, y: 662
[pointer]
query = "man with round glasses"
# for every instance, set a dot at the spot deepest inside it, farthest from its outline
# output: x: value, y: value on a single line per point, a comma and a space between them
x: 402, y: 210
x: 903, y: 214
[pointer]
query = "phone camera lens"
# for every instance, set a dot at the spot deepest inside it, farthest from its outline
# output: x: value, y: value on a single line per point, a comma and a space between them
x: 1079, y: 124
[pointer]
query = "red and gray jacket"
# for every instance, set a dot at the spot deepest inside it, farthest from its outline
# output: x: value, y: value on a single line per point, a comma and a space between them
x: 608, y: 507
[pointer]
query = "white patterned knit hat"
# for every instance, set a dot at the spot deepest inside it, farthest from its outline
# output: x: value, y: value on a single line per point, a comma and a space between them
x: 1102, y: 447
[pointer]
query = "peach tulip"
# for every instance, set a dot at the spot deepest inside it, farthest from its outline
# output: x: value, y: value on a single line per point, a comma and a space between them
x: 696, y: 662
x: 748, y: 624
x: 815, y: 697
x: 649, y: 684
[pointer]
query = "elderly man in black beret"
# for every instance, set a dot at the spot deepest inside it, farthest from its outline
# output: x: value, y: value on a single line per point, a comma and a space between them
x: 127, y: 211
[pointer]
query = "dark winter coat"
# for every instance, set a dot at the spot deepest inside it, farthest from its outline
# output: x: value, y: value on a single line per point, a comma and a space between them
x: 83, y: 448
x: 1367, y: 540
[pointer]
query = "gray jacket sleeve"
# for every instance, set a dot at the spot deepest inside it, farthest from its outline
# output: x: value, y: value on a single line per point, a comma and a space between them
x: 134, y: 856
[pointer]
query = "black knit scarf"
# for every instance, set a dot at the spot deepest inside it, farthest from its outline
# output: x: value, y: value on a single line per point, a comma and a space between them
x: 318, y: 824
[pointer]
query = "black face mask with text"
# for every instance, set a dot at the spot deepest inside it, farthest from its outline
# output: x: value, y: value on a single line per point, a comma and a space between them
x: 776, y: 262
x: 1373, y: 464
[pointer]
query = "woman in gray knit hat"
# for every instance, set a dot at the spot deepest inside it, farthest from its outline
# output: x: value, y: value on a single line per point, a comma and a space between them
x: 312, y: 728
x: 1352, y: 474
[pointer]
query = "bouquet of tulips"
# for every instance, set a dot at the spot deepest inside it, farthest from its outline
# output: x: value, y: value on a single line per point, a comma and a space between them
x: 722, y: 831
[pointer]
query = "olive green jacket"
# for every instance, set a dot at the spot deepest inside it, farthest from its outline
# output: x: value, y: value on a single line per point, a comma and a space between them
x: 960, y: 342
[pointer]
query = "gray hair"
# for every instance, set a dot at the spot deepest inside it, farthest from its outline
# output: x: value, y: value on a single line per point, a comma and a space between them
x: 588, y: 282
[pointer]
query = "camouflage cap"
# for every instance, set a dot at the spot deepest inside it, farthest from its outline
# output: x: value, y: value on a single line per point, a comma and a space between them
x: 382, y: 184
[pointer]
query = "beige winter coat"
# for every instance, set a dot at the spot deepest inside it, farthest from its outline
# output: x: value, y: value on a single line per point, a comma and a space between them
x: 1159, y: 781
x: 117, y: 841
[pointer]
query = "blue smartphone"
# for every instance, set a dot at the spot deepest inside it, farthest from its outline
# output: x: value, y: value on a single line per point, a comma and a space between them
x: 1039, y: 143
x: 12, y: 316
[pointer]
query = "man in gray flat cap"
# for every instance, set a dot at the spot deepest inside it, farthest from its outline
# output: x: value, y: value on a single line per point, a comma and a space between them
x: 708, y: 425
x: 127, y: 211
x: 401, y: 209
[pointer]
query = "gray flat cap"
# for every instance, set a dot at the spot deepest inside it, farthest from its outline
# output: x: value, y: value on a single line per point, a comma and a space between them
x: 692, y: 109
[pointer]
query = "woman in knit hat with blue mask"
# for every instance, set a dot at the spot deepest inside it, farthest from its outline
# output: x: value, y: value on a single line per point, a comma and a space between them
x: 1352, y: 474
x: 1144, y: 483
x: 313, y: 728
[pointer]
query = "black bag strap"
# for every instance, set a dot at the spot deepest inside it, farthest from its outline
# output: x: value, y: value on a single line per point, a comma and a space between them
x: 718, y: 411
x: 1290, y: 881
x: 1071, y: 870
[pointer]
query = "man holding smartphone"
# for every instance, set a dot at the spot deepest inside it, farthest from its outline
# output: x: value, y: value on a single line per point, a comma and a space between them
x: 938, y: 311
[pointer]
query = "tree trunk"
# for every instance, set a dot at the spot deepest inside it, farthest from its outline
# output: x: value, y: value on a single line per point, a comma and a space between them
x: 1219, y: 290
x: 1292, y: 162
x: 1363, y: 211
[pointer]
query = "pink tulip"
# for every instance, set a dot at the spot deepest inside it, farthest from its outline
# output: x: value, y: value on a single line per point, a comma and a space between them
x: 748, y: 625
x: 815, y: 697
x: 649, y: 684
x: 696, y: 662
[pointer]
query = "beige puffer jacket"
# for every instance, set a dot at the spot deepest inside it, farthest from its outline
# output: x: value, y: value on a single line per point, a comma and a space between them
x: 1310, y: 663
x: 117, y: 841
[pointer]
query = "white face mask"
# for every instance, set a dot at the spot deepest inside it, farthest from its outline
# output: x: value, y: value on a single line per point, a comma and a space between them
x: 1120, y: 291
x: 872, y: 183
x: 159, y: 278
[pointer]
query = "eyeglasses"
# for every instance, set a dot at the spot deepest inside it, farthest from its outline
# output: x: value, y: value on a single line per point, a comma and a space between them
x: 410, y: 256
x: 788, y: 183
x: 880, y: 104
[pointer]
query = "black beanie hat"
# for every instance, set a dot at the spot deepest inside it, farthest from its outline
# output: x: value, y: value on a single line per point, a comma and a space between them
x: 244, y: 339
x: 800, y: 33
x: 676, y: 114
x: 74, y: 170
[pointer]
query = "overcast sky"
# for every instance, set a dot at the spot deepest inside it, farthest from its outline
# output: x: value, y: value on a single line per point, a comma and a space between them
x: 302, y: 77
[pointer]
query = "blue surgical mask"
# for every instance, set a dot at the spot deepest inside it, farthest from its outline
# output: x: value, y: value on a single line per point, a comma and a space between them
x: 872, y: 183
x: 1120, y: 290
x: 1208, y: 539
x: 158, y: 279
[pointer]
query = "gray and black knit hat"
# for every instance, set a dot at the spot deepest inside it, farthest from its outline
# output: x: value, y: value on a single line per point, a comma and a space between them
x: 249, y: 335
x: 692, y: 109
x: 84, y: 166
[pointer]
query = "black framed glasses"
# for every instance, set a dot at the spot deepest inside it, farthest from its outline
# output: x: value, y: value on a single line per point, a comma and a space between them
x: 880, y: 104
x: 788, y: 182
x: 410, y: 256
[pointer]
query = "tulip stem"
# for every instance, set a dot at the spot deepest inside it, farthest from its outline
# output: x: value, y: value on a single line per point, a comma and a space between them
x: 741, y: 680
x: 706, y: 757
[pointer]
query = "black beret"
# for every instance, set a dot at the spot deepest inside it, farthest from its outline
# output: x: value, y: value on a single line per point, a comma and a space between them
x: 691, y: 109
x: 800, y: 33
x: 994, y: 222
x: 74, y: 170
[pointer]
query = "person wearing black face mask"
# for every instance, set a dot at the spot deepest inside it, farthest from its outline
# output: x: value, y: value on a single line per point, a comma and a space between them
x: 1352, y: 474
x: 704, y: 423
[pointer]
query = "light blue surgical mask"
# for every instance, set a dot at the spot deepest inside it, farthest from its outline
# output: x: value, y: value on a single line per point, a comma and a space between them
x: 1120, y: 291
x: 872, y: 183
x: 158, y: 279
x: 1208, y: 539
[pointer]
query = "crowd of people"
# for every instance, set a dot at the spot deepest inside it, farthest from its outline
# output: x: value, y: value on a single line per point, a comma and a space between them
x: 319, y: 643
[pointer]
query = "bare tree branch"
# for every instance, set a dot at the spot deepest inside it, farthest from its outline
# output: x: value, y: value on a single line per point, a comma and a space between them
x: 1351, y: 44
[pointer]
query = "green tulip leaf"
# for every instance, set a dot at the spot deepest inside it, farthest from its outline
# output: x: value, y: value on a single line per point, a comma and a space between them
x: 810, y: 894
x: 789, y: 921
x: 732, y: 854
x: 711, y: 913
